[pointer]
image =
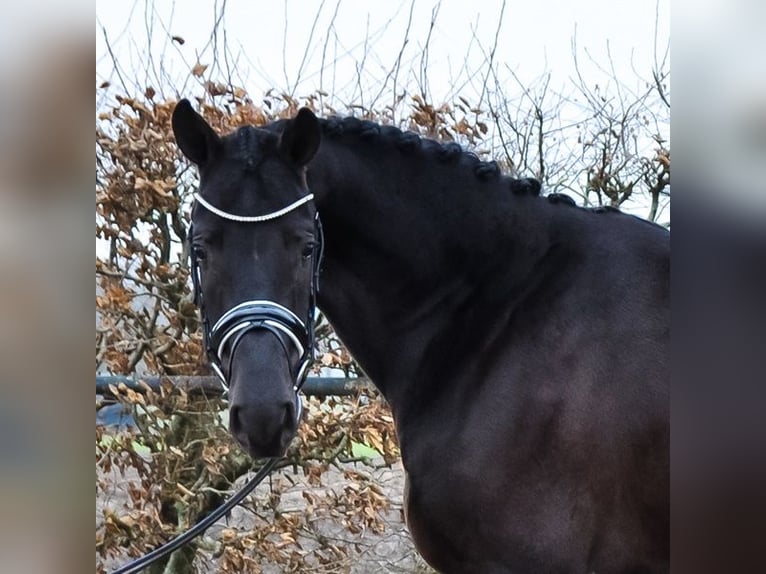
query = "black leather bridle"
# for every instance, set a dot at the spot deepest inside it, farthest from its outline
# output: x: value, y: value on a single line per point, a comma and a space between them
x: 227, y: 332
x: 230, y: 328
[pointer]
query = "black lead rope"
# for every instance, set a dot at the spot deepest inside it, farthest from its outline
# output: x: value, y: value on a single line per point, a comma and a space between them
x: 267, y: 311
x: 197, y: 530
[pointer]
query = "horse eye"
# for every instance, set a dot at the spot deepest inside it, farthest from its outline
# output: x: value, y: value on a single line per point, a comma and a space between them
x: 199, y: 252
x: 308, y: 250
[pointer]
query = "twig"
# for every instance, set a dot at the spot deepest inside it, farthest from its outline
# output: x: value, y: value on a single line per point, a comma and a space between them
x: 491, y: 61
x: 330, y: 27
x: 114, y: 60
x: 306, y: 49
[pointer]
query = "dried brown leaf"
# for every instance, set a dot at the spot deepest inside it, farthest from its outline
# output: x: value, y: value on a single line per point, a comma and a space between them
x: 198, y: 69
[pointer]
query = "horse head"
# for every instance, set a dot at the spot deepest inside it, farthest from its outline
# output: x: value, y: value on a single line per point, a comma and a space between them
x: 255, y: 244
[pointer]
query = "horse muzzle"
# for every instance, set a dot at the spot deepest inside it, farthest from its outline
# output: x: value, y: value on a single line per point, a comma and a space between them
x: 264, y: 429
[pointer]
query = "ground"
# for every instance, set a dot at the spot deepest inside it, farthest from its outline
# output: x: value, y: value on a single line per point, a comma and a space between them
x: 292, y: 497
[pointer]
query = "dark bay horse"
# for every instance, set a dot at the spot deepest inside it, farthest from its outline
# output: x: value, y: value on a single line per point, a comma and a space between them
x: 521, y: 341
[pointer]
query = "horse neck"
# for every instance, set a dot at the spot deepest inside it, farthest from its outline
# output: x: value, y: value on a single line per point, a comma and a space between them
x: 415, y: 248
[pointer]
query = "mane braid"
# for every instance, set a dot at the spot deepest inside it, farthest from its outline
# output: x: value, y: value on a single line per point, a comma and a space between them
x: 410, y: 142
x: 562, y: 198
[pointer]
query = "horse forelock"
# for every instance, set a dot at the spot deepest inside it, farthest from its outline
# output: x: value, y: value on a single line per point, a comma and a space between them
x: 250, y: 144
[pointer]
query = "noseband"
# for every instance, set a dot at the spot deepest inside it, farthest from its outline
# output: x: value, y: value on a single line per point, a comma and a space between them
x: 234, y: 324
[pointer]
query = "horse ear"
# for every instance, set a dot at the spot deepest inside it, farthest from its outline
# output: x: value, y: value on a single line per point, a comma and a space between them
x: 194, y: 136
x: 300, y: 138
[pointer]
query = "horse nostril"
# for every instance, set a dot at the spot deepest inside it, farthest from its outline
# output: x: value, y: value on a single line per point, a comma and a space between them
x: 234, y: 422
x: 289, y: 415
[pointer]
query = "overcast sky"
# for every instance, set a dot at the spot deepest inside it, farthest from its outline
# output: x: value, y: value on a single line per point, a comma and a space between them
x: 271, y: 44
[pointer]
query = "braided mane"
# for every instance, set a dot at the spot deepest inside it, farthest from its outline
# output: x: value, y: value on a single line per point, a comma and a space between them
x: 409, y: 142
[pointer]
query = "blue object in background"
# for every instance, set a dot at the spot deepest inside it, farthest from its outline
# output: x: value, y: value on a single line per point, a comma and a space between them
x: 115, y: 415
